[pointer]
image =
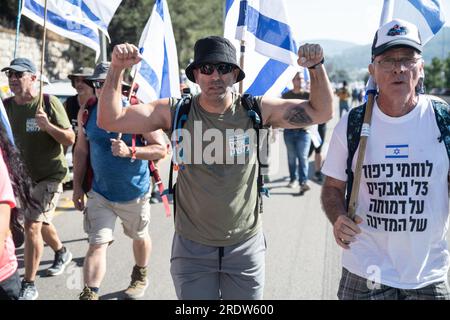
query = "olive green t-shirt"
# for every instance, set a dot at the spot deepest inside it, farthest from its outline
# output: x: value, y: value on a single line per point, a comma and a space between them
x: 43, y: 155
x: 216, y: 190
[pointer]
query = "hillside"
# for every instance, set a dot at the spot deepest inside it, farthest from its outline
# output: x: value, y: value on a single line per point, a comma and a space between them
x: 343, y: 55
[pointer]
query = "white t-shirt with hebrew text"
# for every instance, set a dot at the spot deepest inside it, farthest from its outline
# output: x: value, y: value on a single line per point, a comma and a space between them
x: 403, y: 199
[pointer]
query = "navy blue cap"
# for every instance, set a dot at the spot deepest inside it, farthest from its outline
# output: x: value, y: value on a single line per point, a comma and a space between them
x: 21, y: 65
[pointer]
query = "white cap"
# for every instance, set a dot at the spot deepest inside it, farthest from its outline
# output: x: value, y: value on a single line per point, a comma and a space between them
x: 396, y: 33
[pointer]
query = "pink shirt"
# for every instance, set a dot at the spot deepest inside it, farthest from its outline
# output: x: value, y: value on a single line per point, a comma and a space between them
x: 8, y: 260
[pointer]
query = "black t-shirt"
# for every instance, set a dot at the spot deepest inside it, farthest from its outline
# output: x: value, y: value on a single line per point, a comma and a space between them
x: 72, y: 108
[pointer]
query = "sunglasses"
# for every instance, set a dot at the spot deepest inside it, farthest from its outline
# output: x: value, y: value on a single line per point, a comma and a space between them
x: 17, y: 74
x: 97, y: 84
x: 222, y: 68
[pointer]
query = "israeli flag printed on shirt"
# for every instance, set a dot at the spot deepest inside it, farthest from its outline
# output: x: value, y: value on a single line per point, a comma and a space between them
x: 5, y: 122
x: 78, y: 20
x: 425, y: 14
x: 396, y: 151
x: 158, y: 75
x: 270, y: 60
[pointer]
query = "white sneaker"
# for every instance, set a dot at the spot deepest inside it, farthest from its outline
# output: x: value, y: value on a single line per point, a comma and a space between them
x: 292, y: 184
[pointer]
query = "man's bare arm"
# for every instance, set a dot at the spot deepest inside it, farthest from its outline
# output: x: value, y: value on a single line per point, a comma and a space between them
x: 134, y: 119
x: 294, y: 113
x: 333, y: 203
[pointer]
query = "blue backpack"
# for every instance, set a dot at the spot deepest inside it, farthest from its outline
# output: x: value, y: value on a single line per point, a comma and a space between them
x: 355, y: 121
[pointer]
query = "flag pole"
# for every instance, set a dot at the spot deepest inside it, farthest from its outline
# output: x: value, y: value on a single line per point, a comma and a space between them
x: 241, y: 64
x: 41, y: 81
x: 19, y: 15
x: 365, y: 132
x: 386, y: 15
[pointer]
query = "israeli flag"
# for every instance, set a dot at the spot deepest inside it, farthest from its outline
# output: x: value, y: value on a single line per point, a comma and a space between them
x: 4, y: 122
x: 427, y: 15
x: 158, y: 75
x: 396, y: 151
x: 78, y: 20
x: 270, y: 60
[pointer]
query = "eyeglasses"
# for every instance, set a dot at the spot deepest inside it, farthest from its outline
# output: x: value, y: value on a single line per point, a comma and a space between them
x: 17, y: 74
x: 222, y: 68
x: 388, y: 64
x: 97, y: 84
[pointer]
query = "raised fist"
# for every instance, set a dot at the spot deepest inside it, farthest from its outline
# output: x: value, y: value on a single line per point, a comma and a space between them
x: 309, y: 55
x: 125, y: 55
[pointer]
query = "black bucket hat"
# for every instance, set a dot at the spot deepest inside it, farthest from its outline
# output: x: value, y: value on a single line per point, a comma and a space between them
x: 213, y: 49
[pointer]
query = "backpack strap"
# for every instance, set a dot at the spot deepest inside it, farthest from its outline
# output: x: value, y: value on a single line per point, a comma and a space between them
x: 47, y: 105
x: 354, y: 125
x: 89, y: 174
x: 182, y: 109
x: 254, y: 112
x: 442, y: 114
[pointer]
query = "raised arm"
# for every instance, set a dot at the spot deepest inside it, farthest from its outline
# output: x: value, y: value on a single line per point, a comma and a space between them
x: 134, y: 119
x: 294, y: 113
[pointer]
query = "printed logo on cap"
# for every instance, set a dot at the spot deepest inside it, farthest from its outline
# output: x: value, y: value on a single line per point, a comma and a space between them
x: 397, y: 31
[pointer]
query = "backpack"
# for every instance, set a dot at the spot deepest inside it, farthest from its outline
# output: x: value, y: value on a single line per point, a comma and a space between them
x: 354, y: 125
x: 249, y: 102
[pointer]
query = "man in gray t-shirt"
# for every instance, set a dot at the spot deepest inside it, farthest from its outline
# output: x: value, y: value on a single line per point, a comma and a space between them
x: 219, y: 248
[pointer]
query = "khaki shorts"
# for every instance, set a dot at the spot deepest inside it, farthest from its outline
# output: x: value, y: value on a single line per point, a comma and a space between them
x: 100, y: 218
x: 47, y: 195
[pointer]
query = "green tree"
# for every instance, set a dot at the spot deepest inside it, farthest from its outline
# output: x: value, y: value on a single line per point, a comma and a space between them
x: 191, y: 20
x: 434, y: 74
x: 447, y: 72
x: 8, y: 18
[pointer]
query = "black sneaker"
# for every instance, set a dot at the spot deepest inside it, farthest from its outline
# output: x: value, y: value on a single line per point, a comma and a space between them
x: 319, y: 176
x: 62, y: 259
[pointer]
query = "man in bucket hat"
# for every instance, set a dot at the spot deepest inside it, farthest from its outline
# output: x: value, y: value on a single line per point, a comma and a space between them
x: 396, y: 247
x: 40, y: 138
x: 85, y: 91
x: 218, y: 248
x: 120, y: 188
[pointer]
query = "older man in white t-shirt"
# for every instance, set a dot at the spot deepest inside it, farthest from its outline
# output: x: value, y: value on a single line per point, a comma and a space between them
x: 396, y: 247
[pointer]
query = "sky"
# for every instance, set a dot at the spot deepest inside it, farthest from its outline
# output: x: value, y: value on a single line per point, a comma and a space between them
x: 347, y: 20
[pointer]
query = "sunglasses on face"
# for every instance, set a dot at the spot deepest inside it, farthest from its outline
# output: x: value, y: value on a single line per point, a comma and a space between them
x: 97, y: 84
x: 222, y: 68
x: 17, y: 74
